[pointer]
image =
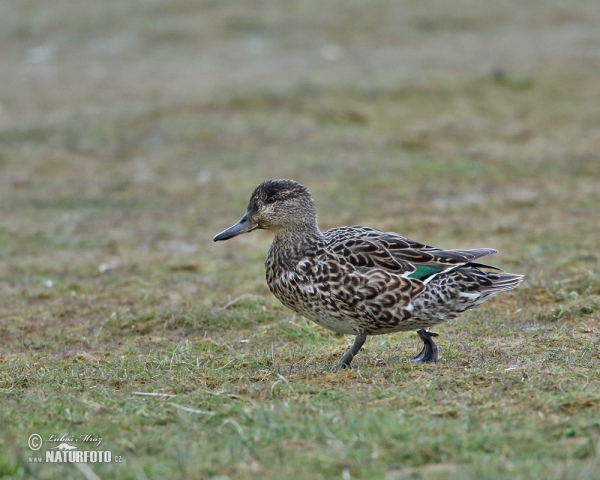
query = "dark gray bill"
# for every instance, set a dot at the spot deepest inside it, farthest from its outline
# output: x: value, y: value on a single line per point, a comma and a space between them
x: 243, y: 226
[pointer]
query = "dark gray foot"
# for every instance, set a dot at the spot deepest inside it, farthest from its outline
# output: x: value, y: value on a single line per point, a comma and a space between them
x: 346, y: 360
x: 429, y: 353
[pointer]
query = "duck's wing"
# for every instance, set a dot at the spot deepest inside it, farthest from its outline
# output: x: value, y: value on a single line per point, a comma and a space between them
x: 366, y: 248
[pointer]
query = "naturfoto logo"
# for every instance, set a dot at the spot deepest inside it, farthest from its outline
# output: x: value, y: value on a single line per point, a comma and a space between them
x: 68, y: 449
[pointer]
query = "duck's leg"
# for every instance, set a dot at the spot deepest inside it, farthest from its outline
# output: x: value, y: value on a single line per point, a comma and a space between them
x: 351, y: 353
x: 429, y: 353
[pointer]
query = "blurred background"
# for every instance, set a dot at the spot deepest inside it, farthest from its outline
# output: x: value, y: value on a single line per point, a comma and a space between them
x: 131, y: 132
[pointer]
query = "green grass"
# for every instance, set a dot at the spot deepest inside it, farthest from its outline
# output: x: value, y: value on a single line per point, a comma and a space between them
x: 111, y: 285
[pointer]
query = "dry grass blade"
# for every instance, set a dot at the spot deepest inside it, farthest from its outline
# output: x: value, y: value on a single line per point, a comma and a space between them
x: 191, y: 410
x: 152, y: 394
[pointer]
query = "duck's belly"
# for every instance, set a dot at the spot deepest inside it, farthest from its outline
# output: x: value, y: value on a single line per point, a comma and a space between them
x: 337, y: 322
x: 319, y: 305
x: 340, y: 318
x: 352, y: 324
x: 327, y: 316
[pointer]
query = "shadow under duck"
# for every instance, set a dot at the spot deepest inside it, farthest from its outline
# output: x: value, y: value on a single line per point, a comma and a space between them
x: 358, y: 280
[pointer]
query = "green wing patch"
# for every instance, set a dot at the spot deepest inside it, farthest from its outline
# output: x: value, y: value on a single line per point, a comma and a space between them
x: 423, y: 271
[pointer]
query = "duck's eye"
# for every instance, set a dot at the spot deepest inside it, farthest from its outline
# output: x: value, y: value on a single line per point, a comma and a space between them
x: 271, y: 199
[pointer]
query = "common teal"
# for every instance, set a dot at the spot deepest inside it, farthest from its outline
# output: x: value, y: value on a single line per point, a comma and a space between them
x: 358, y: 280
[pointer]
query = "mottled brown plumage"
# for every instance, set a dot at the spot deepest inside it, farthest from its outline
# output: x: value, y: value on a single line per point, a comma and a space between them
x: 358, y: 280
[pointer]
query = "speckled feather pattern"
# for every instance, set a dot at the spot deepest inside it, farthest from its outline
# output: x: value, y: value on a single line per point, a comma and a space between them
x: 357, y: 280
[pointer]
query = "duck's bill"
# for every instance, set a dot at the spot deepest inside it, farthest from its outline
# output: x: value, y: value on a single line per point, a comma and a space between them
x: 243, y: 226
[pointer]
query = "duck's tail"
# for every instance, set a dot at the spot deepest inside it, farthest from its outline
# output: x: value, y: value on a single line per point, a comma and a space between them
x: 501, y: 282
x: 495, y: 283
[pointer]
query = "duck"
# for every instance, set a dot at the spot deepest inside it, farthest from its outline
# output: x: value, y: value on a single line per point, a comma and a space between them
x: 361, y: 281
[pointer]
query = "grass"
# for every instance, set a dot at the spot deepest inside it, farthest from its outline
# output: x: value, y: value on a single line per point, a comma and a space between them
x: 112, y: 287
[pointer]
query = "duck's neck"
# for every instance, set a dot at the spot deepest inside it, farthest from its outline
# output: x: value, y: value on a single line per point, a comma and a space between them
x: 291, y: 245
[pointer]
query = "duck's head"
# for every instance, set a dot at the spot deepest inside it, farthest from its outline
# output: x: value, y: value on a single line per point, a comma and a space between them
x: 276, y: 205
